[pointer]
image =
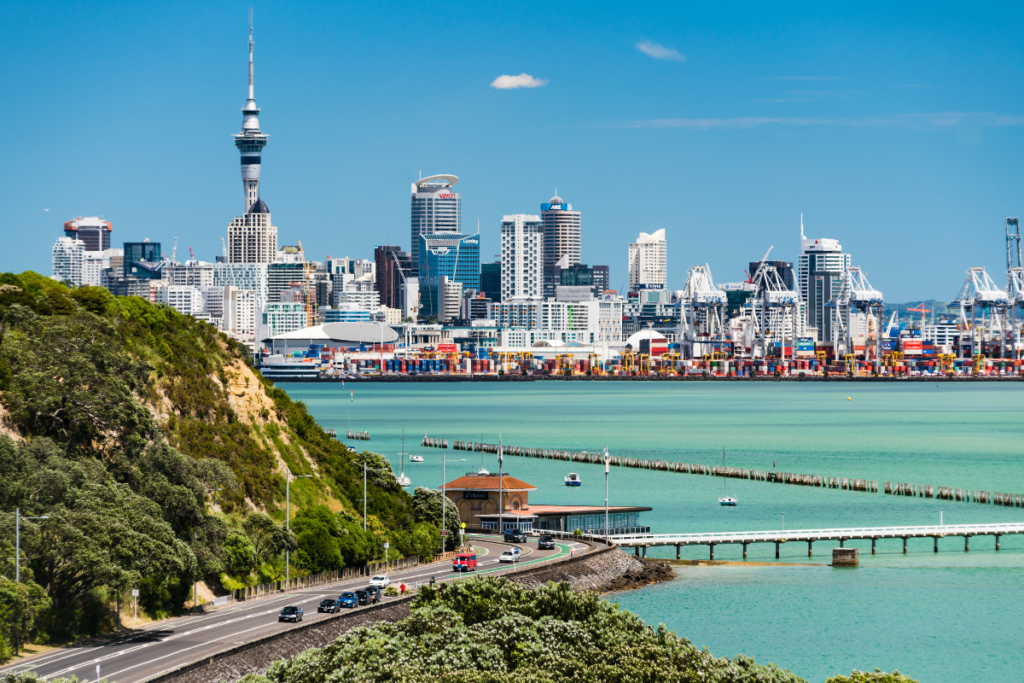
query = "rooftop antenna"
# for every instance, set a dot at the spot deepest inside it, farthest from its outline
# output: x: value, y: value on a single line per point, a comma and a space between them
x: 802, y: 227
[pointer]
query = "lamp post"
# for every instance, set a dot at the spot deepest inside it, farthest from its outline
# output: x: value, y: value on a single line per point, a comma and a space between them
x: 606, y: 468
x: 288, y: 519
x: 17, y: 560
x: 364, y: 495
x: 940, y: 516
x: 501, y: 489
x: 444, y: 496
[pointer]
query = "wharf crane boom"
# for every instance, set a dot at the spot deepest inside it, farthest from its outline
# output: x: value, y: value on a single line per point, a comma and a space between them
x: 979, y: 291
x: 773, y: 308
x: 703, y: 305
x: 857, y: 294
x: 1014, y: 281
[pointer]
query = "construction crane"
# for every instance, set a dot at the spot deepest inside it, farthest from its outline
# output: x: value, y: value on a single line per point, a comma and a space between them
x: 979, y: 291
x: 1014, y: 280
x: 308, y: 296
x: 702, y: 307
x: 191, y: 256
x: 857, y: 294
x: 772, y: 308
x: 922, y: 310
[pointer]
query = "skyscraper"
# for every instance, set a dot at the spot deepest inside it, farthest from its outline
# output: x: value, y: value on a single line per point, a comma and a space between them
x: 251, y: 237
x: 522, y: 257
x: 393, y: 267
x: 821, y: 273
x: 647, y: 260
x: 92, y: 231
x: 451, y: 254
x: 67, y: 260
x: 561, y: 240
x: 435, y: 210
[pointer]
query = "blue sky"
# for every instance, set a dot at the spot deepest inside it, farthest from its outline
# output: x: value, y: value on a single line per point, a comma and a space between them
x: 896, y: 128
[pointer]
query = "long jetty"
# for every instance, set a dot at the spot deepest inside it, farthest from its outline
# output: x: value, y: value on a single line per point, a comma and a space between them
x: 795, y: 479
x: 640, y: 542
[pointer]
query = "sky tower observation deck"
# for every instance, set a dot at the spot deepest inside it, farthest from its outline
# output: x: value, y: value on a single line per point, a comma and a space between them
x: 250, y: 141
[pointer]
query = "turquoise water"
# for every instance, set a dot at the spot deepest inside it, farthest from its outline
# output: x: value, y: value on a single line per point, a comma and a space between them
x: 950, y: 616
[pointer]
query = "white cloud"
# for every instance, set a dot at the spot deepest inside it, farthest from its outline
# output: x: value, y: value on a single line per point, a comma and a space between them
x: 933, y: 121
x: 669, y: 54
x: 520, y: 81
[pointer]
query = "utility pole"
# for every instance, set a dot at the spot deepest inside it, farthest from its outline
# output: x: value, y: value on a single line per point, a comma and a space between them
x: 444, y: 497
x: 288, y: 476
x: 364, y: 495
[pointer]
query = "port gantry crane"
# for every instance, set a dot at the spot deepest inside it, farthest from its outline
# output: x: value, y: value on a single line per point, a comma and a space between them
x: 1014, y: 281
x: 979, y: 291
x: 772, y: 308
x: 857, y: 294
x: 703, y: 305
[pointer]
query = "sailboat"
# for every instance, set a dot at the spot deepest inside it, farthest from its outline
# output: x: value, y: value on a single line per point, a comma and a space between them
x: 403, y: 480
x: 726, y: 499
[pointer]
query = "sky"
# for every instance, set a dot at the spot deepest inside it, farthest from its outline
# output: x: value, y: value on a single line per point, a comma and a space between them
x: 896, y: 128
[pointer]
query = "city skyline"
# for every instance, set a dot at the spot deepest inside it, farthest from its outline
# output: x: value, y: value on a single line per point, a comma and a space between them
x: 901, y: 172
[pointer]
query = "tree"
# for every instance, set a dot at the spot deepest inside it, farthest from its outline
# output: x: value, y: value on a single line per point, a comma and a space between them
x: 240, y: 552
x: 20, y: 605
x: 268, y: 539
x: 427, y: 508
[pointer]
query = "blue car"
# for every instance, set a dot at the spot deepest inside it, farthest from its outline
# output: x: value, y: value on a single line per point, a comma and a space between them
x: 349, y: 600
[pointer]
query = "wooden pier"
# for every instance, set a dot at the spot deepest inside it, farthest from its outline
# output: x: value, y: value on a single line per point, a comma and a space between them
x: 357, y: 436
x: 794, y: 479
x: 641, y: 542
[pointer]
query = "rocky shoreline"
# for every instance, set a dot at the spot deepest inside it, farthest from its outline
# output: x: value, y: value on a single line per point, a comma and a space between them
x: 651, y: 571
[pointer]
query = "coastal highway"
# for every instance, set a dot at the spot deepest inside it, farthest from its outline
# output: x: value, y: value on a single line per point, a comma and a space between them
x: 141, y: 654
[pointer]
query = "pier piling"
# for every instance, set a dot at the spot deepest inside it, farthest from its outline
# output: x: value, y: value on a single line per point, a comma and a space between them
x: 936, y: 544
x: 712, y: 547
x: 677, y: 551
x: 841, y: 542
x: 873, y: 540
x: 997, y: 541
x: 904, y: 545
x: 745, y: 550
x: 776, y: 550
x: 967, y: 543
x: 809, y: 543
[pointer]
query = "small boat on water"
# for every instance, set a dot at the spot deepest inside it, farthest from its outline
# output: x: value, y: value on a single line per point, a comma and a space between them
x: 415, y: 458
x: 403, y: 480
x: 573, y: 479
x: 726, y: 499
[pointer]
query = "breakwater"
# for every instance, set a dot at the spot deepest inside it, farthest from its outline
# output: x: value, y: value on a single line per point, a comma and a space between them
x: 795, y: 479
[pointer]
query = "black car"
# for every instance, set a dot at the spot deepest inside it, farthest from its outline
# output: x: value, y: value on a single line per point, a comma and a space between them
x: 546, y: 542
x: 515, y: 536
x: 330, y: 606
x: 364, y: 597
x: 290, y: 613
x: 373, y: 593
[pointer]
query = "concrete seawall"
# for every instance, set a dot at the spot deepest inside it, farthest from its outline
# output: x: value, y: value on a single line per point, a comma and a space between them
x: 594, y: 570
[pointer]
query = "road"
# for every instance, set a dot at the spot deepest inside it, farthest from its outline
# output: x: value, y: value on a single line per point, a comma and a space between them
x: 165, y: 645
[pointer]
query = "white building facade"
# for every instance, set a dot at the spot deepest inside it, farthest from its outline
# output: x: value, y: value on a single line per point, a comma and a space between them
x: 522, y: 257
x: 527, y: 321
x: 647, y: 260
x: 182, y: 298
x: 67, y: 260
x: 822, y: 276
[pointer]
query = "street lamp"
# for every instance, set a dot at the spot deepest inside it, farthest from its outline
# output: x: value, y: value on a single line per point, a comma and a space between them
x: 501, y: 488
x: 17, y: 541
x: 288, y: 518
x: 940, y: 516
x: 17, y: 560
x: 606, y: 464
x: 444, y: 496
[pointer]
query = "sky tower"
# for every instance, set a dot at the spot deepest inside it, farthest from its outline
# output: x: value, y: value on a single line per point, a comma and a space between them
x: 250, y: 141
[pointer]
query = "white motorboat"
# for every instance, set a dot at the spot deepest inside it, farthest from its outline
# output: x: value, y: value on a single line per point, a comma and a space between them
x: 573, y: 479
x: 415, y: 458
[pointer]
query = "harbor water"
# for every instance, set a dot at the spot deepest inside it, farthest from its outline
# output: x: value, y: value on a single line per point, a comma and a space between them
x: 950, y: 616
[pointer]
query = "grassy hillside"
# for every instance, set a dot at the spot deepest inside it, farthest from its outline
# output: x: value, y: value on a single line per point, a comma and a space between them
x: 160, y: 454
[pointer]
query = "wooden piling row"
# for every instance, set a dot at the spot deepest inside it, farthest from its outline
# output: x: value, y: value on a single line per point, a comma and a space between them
x: 358, y: 436
x: 434, y: 443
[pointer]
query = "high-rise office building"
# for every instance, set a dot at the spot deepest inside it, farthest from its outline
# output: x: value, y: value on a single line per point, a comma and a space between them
x: 451, y: 254
x: 67, y: 260
x: 251, y: 237
x: 561, y: 240
x: 490, y: 279
x: 522, y: 257
x: 647, y: 257
x: 435, y: 209
x: 581, y: 275
x: 393, y: 267
x: 822, y: 271
x: 93, y: 232
x: 143, y: 260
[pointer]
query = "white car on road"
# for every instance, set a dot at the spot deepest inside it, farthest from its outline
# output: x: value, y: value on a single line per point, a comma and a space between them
x: 510, y: 555
x: 381, y: 581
